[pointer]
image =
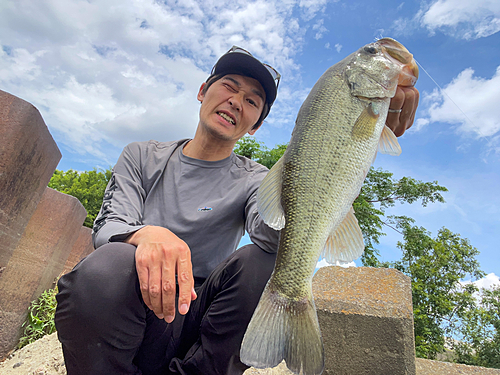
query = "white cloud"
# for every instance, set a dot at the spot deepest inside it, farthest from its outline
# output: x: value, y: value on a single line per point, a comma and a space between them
x: 320, y: 29
x: 110, y: 72
x: 338, y: 47
x: 469, y: 102
x: 311, y: 7
x: 420, y: 123
x: 463, y: 18
x: 488, y: 282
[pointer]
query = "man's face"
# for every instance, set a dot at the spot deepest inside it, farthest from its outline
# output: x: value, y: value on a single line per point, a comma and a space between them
x: 231, y: 107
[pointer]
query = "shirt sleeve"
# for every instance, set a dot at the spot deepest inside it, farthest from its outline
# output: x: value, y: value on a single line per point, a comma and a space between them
x: 259, y: 232
x: 122, y: 207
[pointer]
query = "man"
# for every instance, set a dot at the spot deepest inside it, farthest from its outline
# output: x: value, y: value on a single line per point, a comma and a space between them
x: 172, y: 216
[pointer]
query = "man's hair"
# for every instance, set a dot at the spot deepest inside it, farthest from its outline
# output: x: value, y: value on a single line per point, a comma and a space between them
x: 215, y: 77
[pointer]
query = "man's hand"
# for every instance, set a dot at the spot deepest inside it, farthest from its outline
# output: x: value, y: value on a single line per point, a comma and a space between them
x: 159, y: 257
x: 406, y: 99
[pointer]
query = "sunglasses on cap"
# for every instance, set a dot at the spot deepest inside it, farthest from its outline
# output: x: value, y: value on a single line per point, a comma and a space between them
x: 274, y: 73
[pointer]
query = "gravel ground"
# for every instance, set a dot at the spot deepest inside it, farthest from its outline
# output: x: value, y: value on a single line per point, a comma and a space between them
x: 44, y: 357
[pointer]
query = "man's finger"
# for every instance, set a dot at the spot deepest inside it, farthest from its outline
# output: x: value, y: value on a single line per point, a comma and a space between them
x: 185, y: 280
x: 143, y: 275
x: 168, y: 286
x: 395, y: 109
x: 402, y: 110
x: 409, y: 107
x: 155, y: 290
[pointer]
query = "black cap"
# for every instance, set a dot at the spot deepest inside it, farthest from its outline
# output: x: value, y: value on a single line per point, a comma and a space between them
x: 246, y: 65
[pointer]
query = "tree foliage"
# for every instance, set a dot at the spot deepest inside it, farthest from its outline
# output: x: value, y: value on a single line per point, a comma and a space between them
x: 436, y: 266
x: 381, y: 191
x: 479, y: 331
x: 252, y: 149
x: 88, y: 187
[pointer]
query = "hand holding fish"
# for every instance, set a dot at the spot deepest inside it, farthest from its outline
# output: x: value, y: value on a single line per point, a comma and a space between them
x: 406, y: 99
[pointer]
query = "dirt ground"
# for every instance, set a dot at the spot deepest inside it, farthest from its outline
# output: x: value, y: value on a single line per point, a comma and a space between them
x: 44, y: 357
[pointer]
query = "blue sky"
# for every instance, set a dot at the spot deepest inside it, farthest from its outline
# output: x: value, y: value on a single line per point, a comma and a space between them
x: 106, y: 73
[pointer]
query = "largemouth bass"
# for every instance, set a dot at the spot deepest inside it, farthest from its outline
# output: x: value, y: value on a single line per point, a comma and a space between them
x: 309, y: 193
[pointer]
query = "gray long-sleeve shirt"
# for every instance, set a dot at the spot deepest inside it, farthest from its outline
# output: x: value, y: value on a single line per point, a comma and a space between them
x: 209, y: 205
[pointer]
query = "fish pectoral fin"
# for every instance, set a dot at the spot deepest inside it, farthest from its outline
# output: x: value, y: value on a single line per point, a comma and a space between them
x: 269, y: 197
x: 346, y: 243
x: 388, y: 143
x: 283, y: 328
x: 365, y: 123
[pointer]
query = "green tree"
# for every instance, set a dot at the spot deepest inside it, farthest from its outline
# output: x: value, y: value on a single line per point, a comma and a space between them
x: 436, y: 266
x: 479, y: 331
x: 271, y: 157
x: 249, y: 147
x: 257, y: 151
x: 88, y: 187
x: 381, y: 191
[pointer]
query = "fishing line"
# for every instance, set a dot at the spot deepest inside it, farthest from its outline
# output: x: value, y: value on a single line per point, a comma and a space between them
x: 444, y: 93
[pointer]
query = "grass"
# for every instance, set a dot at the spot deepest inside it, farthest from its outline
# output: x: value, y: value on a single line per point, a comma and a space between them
x: 40, y: 320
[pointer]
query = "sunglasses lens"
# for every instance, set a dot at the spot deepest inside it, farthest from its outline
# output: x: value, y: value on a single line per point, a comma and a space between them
x: 274, y: 73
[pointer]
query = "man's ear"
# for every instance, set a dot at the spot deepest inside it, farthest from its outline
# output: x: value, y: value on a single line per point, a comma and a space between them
x: 253, y: 130
x: 200, y: 95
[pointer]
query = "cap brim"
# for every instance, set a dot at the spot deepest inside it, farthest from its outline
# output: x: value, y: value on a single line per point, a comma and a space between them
x: 246, y: 65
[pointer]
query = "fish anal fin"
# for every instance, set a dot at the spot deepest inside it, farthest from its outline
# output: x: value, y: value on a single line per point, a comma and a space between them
x: 346, y: 242
x: 365, y: 123
x: 388, y: 143
x: 269, y: 197
x: 281, y: 328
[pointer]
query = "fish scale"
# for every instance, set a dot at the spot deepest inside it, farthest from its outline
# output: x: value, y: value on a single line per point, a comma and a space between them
x: 308, y: 195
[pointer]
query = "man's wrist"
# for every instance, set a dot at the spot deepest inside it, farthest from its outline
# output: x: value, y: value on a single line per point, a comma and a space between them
x: 133, y: 238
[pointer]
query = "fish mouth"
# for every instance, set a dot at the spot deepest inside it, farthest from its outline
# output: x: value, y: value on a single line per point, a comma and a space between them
x: 398, y: 52
x: 228, y: 117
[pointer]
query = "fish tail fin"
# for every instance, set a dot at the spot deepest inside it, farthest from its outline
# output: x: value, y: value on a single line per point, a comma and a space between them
x: 283, y: 329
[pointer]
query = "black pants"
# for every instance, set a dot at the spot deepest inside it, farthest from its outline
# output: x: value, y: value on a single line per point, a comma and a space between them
x: 105, y: 327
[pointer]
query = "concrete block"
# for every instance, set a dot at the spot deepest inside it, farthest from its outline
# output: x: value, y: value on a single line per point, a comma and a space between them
x: 82, y: 247
x: 38, y: 259
x: 366, y: 320
x: 428, y: 367
x: 423, y: 367
x: 28, y: 158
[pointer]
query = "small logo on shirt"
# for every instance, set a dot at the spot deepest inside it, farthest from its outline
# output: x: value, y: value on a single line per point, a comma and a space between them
x: 203, y: 209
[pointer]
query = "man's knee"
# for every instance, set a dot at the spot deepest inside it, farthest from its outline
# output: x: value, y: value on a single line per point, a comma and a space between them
x: 106, y: 278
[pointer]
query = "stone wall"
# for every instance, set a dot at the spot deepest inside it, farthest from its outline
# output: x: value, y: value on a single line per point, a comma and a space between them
x: 41, y: 233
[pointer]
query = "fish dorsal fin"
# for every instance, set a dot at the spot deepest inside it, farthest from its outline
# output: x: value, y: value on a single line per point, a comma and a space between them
x: 365, y: 123
x: 346, y: 243
x: 269, y: 197
x: 388, y: 143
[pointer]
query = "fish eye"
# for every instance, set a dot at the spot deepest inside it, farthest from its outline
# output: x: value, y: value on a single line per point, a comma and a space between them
x: 371, y: 50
